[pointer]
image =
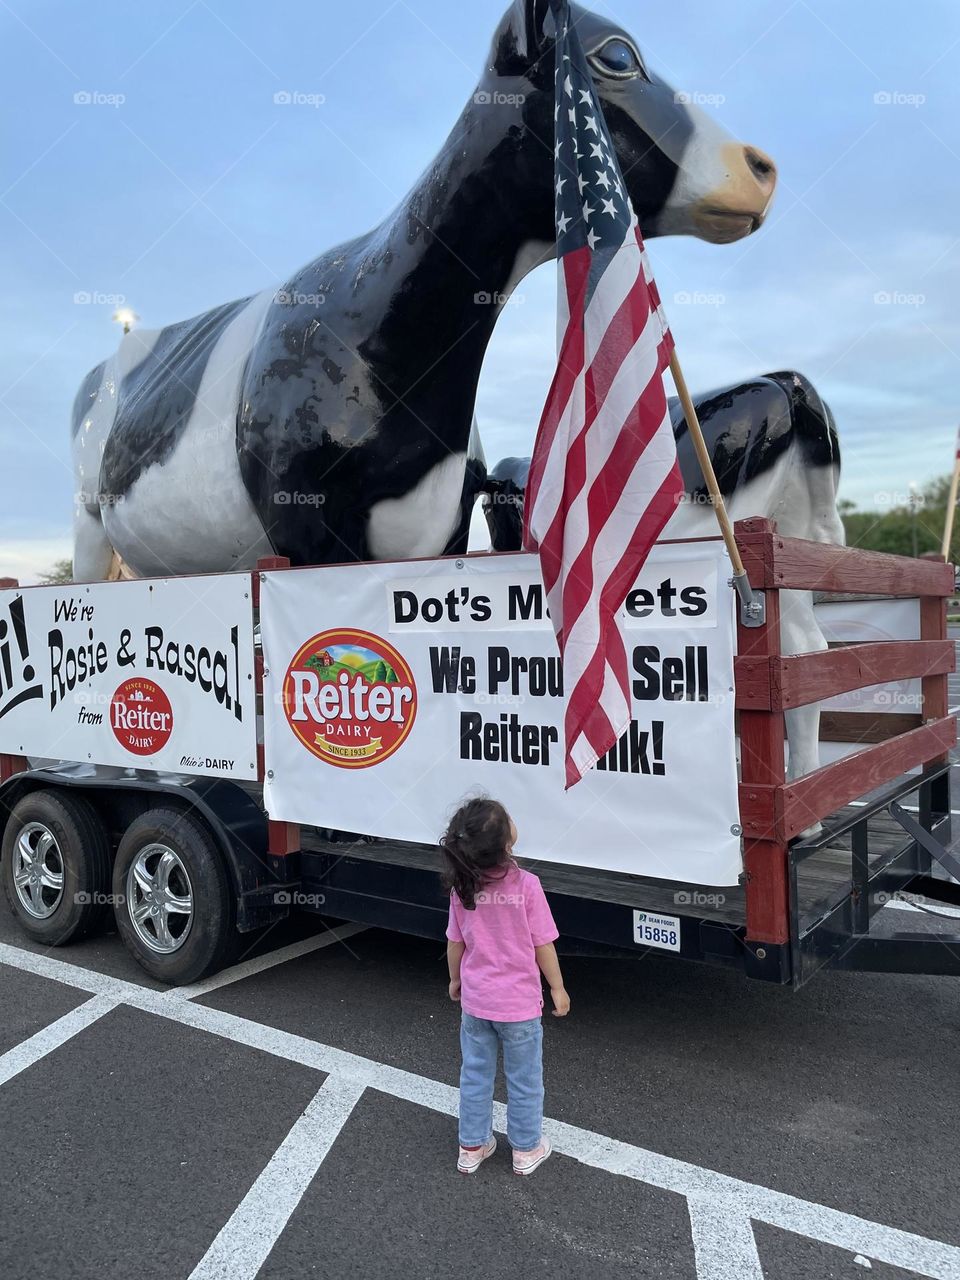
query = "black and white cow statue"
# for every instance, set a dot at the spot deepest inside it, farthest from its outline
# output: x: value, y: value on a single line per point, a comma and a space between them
x: 332, y: 419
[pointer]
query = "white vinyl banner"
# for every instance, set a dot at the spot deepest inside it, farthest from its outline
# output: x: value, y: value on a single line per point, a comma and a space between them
x: 155, y: 674
x: 393, y: 691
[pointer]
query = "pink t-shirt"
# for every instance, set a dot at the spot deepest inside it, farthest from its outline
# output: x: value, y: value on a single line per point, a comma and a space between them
x: 499, y: 978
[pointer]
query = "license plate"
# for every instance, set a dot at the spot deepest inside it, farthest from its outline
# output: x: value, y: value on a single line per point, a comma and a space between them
x: 653, y: 930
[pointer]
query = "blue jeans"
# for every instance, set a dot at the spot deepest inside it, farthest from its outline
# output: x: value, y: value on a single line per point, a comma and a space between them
x: 480, y: 1041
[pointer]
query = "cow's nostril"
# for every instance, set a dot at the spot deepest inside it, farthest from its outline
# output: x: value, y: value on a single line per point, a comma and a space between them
x: 760, y: 165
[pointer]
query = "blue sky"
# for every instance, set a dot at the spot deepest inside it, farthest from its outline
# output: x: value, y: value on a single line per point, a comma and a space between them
x: 182, y: 185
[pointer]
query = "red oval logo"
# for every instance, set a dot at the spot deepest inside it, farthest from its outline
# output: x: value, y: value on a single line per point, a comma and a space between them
x: 350, y: 698
x: 141, y: 716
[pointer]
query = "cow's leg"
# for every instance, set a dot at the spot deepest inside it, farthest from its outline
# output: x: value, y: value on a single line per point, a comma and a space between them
x: 474, y: 475
x: 800, y: 633
x: 92, y: 552
x: 423, y: 521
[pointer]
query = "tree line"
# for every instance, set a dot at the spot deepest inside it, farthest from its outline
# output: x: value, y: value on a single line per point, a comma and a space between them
x: 905, y: 523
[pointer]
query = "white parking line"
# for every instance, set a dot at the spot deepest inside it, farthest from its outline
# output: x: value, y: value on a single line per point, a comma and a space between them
x: 242, y: 1245
x: 27, y: 1052
x: 249, y: 967
x: 723, y: 1243
x: 738, y: 1200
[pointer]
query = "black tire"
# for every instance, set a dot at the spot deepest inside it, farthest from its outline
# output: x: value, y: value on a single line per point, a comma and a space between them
x: 206, y: 937
x: 82, y: 851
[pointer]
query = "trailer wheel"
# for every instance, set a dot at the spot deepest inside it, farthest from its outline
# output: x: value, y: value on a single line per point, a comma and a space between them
x: 172, y: 898
x: 55, y: 866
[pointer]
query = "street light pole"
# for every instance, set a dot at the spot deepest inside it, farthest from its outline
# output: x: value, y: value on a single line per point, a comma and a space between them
x: 126, y: 317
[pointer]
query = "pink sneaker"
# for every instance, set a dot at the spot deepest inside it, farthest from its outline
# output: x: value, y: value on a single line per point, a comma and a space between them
x: 525, y: 1162
x: 471, y: 1159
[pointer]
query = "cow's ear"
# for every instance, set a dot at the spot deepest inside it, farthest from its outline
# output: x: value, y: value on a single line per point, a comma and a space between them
x: 525, y: 34
x: 535, y: 26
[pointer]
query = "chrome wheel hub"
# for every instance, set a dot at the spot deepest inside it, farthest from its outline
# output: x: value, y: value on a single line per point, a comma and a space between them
x: 38, y: 871
x: 159, y: 898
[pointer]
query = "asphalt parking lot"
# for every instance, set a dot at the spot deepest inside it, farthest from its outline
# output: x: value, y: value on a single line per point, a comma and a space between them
x: 293, y: 1116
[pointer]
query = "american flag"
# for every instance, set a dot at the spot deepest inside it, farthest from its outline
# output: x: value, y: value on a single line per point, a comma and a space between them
x: 604, y: 478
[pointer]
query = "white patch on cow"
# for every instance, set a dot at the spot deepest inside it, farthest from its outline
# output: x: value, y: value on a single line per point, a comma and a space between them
x: 711, y: 171
x: 90, y: 439
x: 701, y: 169
x: 423, y: 520
x: 800, y: 497
x: 198, y: 488
x: 92, y: 552
x: 479, y: 535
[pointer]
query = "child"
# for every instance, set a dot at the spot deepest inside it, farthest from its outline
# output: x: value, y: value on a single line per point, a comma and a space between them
x: 501, y: 936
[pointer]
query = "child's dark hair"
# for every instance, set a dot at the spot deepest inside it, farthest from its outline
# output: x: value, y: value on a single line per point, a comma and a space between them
x: 474, y: 845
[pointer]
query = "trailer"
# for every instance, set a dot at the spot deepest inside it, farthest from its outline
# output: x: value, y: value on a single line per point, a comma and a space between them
x: 200, y: 758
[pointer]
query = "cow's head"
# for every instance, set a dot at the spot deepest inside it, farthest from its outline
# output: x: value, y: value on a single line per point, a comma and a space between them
x: 685, y: 174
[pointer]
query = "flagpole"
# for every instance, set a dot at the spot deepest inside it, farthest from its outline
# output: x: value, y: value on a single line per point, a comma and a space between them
x: 740, y: 581
x: 951, y: 506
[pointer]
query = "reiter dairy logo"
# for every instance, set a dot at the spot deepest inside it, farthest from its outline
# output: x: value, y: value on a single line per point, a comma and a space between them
x: 141, y: 716
x: 350, y: 698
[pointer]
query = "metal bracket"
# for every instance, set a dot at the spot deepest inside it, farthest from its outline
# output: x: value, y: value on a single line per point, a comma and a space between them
x: 753, y: 604
x: 946, y: 858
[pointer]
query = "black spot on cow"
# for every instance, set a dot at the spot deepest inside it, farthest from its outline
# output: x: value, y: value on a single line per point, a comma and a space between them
x: 157, y: 397
x: 749, y: 426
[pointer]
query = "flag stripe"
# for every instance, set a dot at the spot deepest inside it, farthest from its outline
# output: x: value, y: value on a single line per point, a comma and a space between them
x: 573, y: 272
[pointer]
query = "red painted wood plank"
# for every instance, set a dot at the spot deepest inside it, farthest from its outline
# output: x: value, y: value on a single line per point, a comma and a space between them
x: 282, y: 838
x: 820, y: 566
x: 753, y: 679
x: 9, y: 765
x: 935, y: 688
x: 264, y: 564
x: 758, y: 810
x: 767, y: 882
x: 822, y: 792
x: 811, y: 677
x: 799, y: 679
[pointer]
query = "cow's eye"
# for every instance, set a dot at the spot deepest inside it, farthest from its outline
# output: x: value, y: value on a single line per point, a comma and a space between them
x: 617, y: 58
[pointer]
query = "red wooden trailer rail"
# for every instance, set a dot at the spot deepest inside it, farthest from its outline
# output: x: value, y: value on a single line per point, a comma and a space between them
x: 283, y: 838
x: 773, y: 810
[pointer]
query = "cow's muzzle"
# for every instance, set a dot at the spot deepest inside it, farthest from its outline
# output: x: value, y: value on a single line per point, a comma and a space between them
x: 739, y: 205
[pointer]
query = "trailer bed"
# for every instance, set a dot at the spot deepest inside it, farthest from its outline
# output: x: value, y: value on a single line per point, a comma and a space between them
x: 824, y: 878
